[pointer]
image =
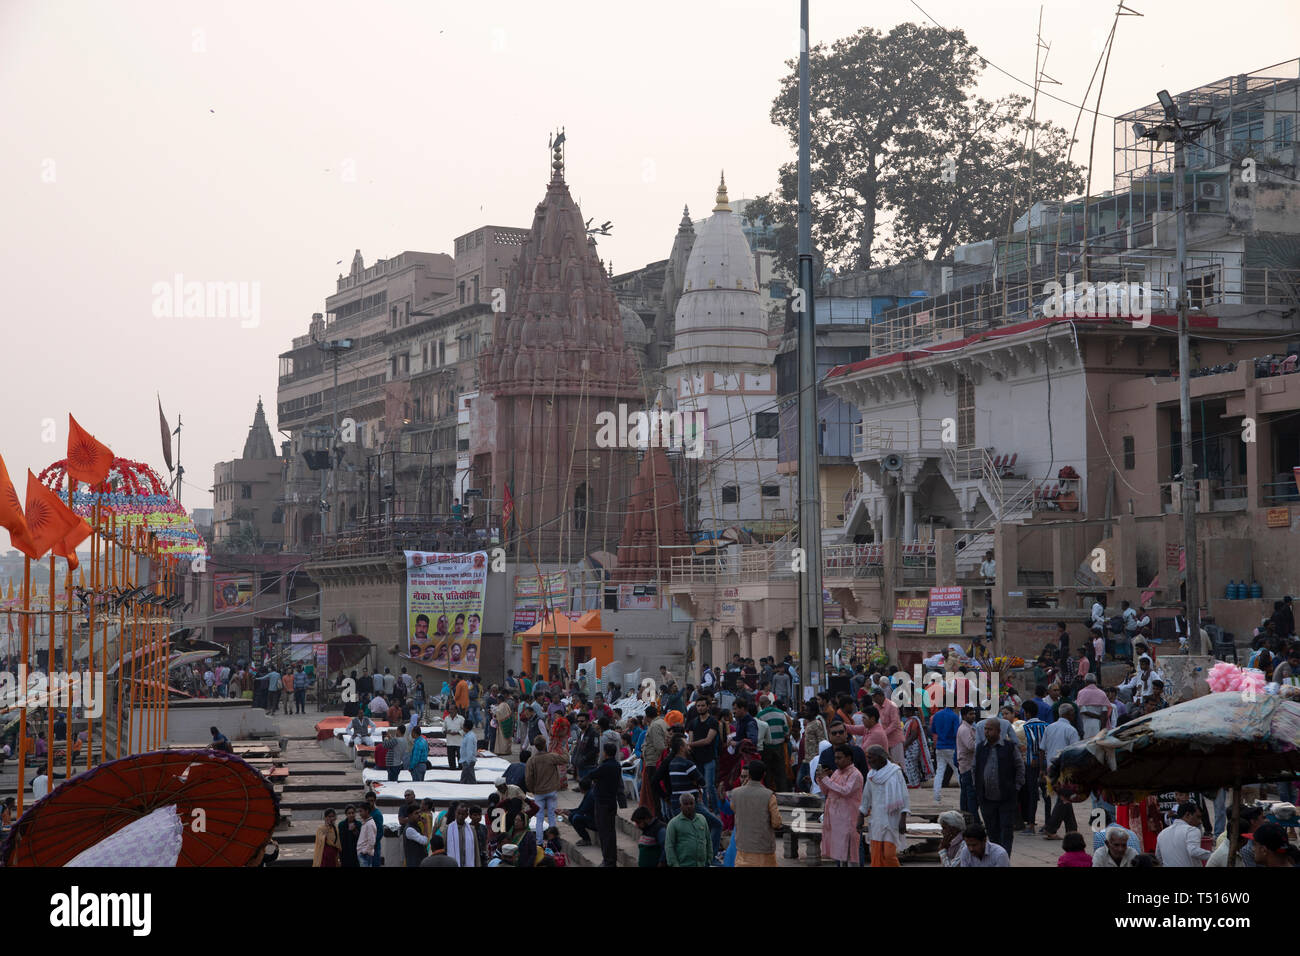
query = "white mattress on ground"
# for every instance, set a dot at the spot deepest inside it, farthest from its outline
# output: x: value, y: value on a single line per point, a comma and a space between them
x: 438, y: 792
x: 487, y: 768
x: 436, y: 775
x: 427, y: 731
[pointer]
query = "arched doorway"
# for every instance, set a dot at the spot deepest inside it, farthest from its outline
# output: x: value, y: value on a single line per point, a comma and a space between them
x: 731, y: 643
x: 781, y: 645
x: 706, y: 650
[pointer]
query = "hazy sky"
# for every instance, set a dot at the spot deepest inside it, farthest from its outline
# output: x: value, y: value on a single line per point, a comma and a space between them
x: 214, y: 140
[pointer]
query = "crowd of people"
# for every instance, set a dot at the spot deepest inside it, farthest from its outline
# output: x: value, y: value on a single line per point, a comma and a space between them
x: 705, y: 762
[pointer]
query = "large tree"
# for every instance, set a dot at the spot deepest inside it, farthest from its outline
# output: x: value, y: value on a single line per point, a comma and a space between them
x: 887, y: 110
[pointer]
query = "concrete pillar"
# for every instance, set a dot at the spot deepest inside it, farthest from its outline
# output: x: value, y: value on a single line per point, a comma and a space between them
x: 1063, y: 566
x: 887, y: 519
x: 761, y: 642
x: 746, y: 645
x: 945, y: 557
x: 1006, y: 552
x: 909, y: 527
x: 1126, y: 552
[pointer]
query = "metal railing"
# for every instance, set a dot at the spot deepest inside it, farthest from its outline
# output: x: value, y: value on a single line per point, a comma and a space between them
x: 914, y: 434
x: 391, y: 535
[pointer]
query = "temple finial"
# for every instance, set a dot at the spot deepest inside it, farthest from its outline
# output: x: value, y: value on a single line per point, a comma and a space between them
x: 723, y: 205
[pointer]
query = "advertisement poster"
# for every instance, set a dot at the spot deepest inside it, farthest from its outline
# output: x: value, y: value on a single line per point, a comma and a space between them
x: 524, y: 620
x: 909, y: 614
x: 633, y: 597
x: 444, y: 608
x: 529, y: 593
x: 231, y: 591
x: 945, y: 611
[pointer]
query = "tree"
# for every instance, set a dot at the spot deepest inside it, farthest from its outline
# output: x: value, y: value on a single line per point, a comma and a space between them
x: 971, y: 180
x: 886, y: 109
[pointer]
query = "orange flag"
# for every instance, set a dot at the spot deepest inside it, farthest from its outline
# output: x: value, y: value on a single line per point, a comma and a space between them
x: 88, y: 460
x: 11, y: 515
x: 51, y: 523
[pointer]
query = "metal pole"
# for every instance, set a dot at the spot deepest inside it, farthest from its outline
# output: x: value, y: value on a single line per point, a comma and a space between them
x: 334, y: 437
x: 811, y: 660
x: 1185, y: 394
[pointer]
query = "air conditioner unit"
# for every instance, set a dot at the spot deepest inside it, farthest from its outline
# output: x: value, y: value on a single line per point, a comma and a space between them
x: 1209, y: 190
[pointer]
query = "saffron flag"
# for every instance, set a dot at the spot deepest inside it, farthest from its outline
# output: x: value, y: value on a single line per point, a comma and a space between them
x: 11, y: 515
x: 88, y: 460
x: 166, y: 436
x: 51, y: 523
x: 507, y: 510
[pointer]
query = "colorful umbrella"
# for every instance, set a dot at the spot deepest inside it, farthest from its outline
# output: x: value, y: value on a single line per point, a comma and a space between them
x: 226, y: 809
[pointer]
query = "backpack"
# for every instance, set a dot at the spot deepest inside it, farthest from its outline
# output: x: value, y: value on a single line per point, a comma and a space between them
x: 1117, y: 624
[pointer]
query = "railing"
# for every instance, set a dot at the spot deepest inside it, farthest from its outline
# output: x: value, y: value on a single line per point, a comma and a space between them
x: 914, y: 434
x: 1279, y: 492
x: 392, y: 535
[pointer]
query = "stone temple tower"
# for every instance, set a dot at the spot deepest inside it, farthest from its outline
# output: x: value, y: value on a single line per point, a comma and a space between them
x: 558, y: 359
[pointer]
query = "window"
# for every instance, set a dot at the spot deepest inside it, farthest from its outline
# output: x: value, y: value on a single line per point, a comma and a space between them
x: 965, y: 412
x: 442, y: 353
x: 778, y: 289
x: 245, y: 491
x: 771, y: 491
x: 1282, y: 127
x: 580, y: 508
x: 460, y: 287
x: 730, y: 494
x: 1130, y: 454
x: 766, y: 424
x: 476, y: 285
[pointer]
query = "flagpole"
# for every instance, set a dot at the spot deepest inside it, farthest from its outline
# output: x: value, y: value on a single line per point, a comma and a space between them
x: 119, y: 571
x: 22, y: 690
x: 49, y: 690
x: 90, y: 635
x: 67, y: 652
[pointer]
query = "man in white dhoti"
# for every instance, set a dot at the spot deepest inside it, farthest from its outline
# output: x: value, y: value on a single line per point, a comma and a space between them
x: 885, y: 805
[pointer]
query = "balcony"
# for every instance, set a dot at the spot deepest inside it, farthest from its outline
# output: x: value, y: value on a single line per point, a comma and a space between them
x: 874, y: 438
x: 389, y: 536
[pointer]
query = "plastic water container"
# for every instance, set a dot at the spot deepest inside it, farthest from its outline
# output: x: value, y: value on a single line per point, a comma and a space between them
x: 1256, y: 592
x: 1230, y: 592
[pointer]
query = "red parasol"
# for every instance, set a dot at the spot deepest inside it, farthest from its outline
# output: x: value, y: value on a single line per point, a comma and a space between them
x: 228, y: 809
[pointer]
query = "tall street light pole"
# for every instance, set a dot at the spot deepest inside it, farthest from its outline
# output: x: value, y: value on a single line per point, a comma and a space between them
x: 811, y: 655
x: 1175, y: 131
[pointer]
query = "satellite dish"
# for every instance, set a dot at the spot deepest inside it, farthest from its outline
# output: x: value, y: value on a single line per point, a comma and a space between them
x: 892, y: 462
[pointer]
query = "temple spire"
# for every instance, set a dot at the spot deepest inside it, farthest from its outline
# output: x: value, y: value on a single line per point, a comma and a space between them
x: 557, y: 158
x: 723, y: 205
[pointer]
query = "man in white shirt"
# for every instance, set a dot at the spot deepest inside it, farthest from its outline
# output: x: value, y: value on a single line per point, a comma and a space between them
x: 1180, y: 843
x: 453, y: 727
x: 1143, y: 619
x: 1115, y: 852
x: 1140, y: 683
x: 1099, y: 617
x: 979, y: 852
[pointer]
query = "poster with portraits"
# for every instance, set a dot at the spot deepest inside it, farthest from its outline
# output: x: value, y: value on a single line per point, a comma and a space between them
x: 444, y: 608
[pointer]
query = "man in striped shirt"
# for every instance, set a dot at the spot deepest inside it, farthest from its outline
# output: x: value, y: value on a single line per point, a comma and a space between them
x: 1033, y: 728
x: 778, y: 728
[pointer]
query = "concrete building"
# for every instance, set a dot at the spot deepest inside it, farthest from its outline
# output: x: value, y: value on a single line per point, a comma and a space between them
x: 248, y: 493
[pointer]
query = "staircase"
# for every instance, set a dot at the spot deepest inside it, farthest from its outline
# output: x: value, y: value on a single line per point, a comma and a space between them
x: 1008, y: 499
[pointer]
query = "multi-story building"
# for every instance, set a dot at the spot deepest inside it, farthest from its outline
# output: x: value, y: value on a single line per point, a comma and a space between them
x: 1011, y: 411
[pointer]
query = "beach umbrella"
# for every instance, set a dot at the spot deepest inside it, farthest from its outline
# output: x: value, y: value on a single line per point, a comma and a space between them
x: 129, y: 812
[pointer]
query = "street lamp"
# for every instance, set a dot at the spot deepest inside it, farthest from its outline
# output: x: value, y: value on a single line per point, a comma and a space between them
x: 1175, y: 130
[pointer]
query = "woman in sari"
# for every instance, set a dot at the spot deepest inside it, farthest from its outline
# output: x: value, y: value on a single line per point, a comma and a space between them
x: 504, y: 716
x: 327, y: 851
x: 917, y: 767
x: 560, y: 735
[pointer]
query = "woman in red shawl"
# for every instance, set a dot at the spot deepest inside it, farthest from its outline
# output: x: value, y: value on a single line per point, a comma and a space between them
x: 560, y: 734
